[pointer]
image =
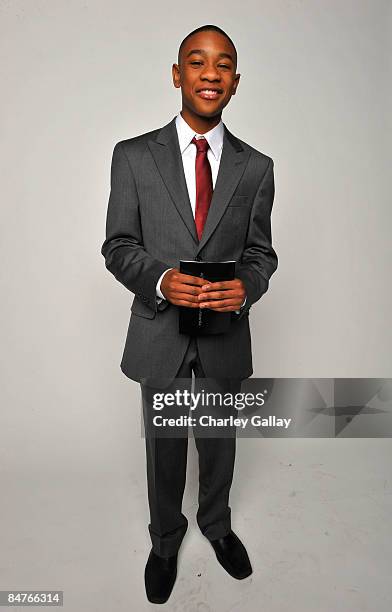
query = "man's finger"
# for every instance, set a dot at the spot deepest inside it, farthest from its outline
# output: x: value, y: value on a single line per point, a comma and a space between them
x: 218, y: 295
x: 187, y: 279
x: 221, y: 285
x: 233, y: 304
x: 182, y: 295
x: 188, y: 289
x: 225, y: 309
x: 181, y: 302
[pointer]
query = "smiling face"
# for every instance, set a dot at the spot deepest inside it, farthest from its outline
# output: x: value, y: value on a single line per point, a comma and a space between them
x: 207, y: 76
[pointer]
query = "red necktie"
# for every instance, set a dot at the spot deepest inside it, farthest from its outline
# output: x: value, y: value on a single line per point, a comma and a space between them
x: 203, y: 184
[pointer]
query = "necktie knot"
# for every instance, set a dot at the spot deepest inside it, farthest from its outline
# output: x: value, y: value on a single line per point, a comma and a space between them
x: 201, y: 144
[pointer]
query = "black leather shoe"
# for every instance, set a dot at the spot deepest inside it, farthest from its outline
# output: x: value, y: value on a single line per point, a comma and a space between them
x: 159, y: 577
x: 232, y: 555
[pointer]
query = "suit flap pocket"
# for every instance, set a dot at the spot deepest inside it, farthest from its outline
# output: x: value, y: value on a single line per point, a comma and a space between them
x: 140, y: 309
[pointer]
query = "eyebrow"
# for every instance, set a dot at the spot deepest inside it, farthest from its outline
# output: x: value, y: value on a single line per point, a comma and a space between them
x: 202, y: 52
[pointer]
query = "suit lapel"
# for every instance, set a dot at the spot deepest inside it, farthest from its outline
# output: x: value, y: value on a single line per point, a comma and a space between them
x: 231, y: 167
x: 167, y: 155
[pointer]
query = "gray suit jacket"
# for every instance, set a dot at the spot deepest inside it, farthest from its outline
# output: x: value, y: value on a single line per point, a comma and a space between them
x: 150, y: 227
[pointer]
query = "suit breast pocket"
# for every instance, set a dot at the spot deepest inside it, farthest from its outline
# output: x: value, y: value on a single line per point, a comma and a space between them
x: 239, y: 201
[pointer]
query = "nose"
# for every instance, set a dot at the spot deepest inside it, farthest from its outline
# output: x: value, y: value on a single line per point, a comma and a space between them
x: 210, y: 73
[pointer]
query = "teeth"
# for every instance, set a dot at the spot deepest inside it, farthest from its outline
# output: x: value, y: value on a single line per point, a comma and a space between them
x: 209, y: 91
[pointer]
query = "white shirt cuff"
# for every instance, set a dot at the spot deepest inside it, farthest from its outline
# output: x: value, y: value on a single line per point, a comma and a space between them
x: 159, y: 293
x: 242, y: 305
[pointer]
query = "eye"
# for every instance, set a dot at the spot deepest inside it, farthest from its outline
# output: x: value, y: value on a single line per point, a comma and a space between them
x: 195, y: 62
x: 224, y: 66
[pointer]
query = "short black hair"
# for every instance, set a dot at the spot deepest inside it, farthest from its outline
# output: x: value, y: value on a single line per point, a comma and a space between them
x: 206, y: 28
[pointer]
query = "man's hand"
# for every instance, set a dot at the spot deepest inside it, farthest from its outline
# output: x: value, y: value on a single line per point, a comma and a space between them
x: 182, y: 289
x: 222, y: 296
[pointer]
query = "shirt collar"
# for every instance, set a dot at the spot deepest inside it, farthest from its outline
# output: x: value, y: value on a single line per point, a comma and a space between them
x: 213, y: 136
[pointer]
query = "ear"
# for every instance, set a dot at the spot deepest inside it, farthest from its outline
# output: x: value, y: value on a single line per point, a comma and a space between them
x: 235, y: 84
x: 176, y: 75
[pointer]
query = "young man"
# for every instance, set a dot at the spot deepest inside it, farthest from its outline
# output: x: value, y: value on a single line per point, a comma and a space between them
x: 190, y: 190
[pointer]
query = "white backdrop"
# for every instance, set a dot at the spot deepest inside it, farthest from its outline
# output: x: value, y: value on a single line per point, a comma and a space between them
x: 77, y: 76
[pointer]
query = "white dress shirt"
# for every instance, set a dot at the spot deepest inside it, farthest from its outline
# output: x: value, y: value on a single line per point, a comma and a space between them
x: 188, y: 154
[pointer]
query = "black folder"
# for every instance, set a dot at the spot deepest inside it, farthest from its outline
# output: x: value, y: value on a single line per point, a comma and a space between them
x: 204, y: 321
